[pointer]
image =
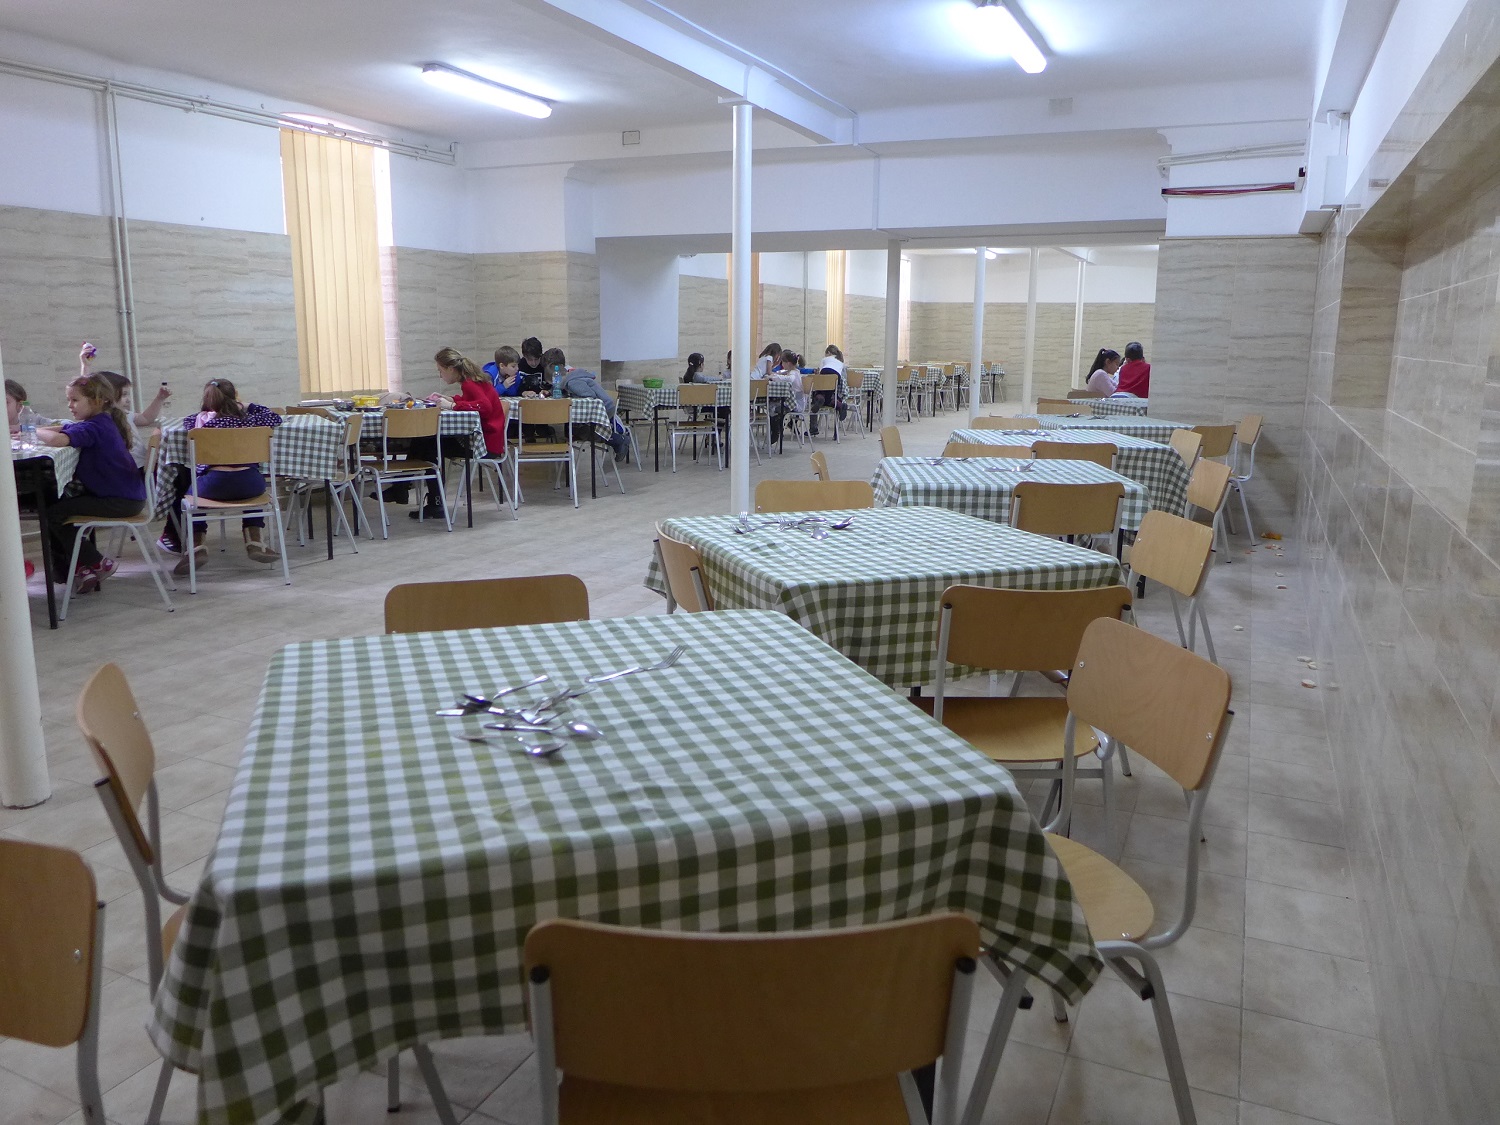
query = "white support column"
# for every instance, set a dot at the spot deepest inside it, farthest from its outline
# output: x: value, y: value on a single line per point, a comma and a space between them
x: 981, y: 261
x: 1031, y: 286
x: 23, y: 754
x: 740, y: 251
x: 892, y: 330
x: 1075, y: 380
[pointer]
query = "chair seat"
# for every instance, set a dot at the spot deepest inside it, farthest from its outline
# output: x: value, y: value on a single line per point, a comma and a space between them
x: 1027, y: 729
x: 393, y: 467
x: 1114, y: 905
x: 141, y: 520
x: 867, y: 1103
x: 202, y: 502
x: 537, y: 448
x: 169, y: 931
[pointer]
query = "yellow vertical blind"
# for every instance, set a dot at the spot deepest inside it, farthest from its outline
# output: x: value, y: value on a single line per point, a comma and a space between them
x: 837, y: 283
x: 329, y: 190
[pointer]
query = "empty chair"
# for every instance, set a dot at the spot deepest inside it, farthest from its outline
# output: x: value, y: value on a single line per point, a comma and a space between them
x: 890, y: 442
x: 1175, y: 552
x: 1218, y: 441
x: 691, y: 421
x: 1001, y: 422
x: 1078, y: 394
x: 553, y: 412
x: 1099, y: 452
x: 344, y: 483
x: 52, y: 957
x: 1188, y: 444
x: 110, y: 722
x: 822, y: 1026
x: 1067, y: 510
x: 1208, y: 488
x: 1056, y: 406
x: 982, y: 449
x: 1247, y: 437
x: 812, y: 495
x: 485, y: 603
x: 1172, y: 708
x: 1021, y: 631
x: 820, y: 467
x: 682, y: 566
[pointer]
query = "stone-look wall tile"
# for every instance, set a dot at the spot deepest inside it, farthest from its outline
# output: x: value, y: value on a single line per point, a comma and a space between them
x: 703, y: 318
x: 552, y: 295
x: 864, y: 330
x: 794, y: 318
x: 435, y: 309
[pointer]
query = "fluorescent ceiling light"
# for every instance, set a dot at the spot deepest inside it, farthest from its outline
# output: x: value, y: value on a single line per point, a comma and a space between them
x: 457, y: 81
x: 1000, y: 32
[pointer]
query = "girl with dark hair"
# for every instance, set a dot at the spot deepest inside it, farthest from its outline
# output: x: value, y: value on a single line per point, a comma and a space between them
x: 220, y: 408
x: 1101, y: 377
x: 106, y: 482
x: 694, y: 372
x: 770, y: 355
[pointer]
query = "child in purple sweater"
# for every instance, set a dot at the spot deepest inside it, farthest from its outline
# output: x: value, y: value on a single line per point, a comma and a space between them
x: 106, y: 482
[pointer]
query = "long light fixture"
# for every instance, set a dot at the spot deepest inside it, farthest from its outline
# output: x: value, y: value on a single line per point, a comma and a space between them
x: 456, y: 81
x: 1002, y: 33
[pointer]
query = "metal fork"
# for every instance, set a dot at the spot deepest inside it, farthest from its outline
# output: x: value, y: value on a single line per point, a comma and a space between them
x: 665, y: 662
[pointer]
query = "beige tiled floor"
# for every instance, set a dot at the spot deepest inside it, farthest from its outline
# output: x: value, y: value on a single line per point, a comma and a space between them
x: 1269, y: 989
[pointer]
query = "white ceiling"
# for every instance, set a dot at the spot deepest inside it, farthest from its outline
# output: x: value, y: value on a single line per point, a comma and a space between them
x: 360, y: 59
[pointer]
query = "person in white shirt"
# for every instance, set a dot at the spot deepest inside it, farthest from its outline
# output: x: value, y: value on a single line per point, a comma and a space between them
x: 770, y: 356
x: 1101, y: 378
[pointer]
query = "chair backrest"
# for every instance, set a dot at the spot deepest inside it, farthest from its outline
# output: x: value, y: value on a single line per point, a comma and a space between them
x: 820, y: 466
x: 1066, y: 509
x: 1248, y: 430
x: 1099, y: 452
x: 981, y: 449
x: 890, y: 442
x: 903, y: 373
x: 1084, y: 394
x: 412, y: 423
x: 1208, y: 484
x: 697, y: 394
x: 557, y: 411
x: 1167, y: 704
x: 231, y: 445
x: 759, y: 388
x: 48, y: 929
x: 812, y: 495
x: 1172, y: 550
x: 820, y: 382
x: 1021, y: 630
x: 1000, y: 422
x: 485, y: 603
x: 112, y: 727
x: 1056, y: 406
x: 854, y: 380
x: 1217, y: 440
x: 682, y: 566
x: 734, y: 1013
x: 316, y: 411
x: 354, y: 425
x: 1188, y: 443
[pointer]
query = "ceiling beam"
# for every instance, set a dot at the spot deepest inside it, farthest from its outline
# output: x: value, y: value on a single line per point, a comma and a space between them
x: 663, y: 37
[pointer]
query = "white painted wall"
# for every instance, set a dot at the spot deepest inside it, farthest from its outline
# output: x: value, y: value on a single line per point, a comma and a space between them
x: 704, y: 265
x: 866, y: 273
x: 786, y: 269
x: 1115, y: 275
x: 430, y: 206
x: 637, y: 303
x: 51, y: 136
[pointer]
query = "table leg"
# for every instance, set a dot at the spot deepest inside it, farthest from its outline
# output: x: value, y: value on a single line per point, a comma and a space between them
x: 469, y: 487
x: 593, y: 463
x: 327, y: 515
x: 656, y: 435
x: 45, y: 525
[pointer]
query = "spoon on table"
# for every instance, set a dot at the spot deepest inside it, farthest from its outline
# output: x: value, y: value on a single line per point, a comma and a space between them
x: 843, y: 525
x: 530, y: 749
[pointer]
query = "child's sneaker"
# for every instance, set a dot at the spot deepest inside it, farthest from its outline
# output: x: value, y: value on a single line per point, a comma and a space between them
x: 30, y: 569
x: 85, y: 581
x: 105, y: 568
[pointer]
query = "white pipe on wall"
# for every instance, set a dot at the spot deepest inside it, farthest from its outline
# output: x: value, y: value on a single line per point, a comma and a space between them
x: 23, y: 753
x: 120, y: 227
x: 739, y: 315
x: 981, y: 260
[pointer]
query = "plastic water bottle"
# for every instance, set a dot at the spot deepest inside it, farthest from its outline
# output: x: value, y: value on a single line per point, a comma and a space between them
x: 557, y: 382
x: 27, y: 418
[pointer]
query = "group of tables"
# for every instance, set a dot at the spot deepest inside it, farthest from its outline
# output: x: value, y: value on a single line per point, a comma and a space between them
x: 376, y: 873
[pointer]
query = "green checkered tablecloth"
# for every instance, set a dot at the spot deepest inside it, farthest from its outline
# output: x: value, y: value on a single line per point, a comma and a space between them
x: 305, y: 445
x: 451, y: 423
x: 1152, y: 429
x: 581, y: 411
x: 1159, y: 467
x: 375, y: 876
x: 639, y: 401
x: 872, y: 591
x: 64, y: 460
x: 1120, y: 407
x: 983, y: 488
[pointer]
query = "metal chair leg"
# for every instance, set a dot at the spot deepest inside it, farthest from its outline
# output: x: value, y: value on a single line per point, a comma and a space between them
x: 440, y: 1102
x: 1148, y: 984
x: 159, y: 1098
x: 393, y: 1084
x: 1012, y: 996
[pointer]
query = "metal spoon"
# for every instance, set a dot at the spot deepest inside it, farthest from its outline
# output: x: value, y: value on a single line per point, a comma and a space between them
x: 474, y: 704
x: 582, y: 728
x: 530, y: 749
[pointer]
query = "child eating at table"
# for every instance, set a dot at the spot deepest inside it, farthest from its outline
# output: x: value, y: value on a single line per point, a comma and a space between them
x: 106, y: 482
x: 15, y: 398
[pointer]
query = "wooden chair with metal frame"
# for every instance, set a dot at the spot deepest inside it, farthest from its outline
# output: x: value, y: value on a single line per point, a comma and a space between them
x: 554, y: 412
x: 1023, y: 631
x: 1075, y: 395
x: 820, y: 466
x: 52, y: 958
x: 137, y: 527
x: 1188, y: 443
x: 1002, y: 422
x: 1067, y: 510
x: 984, y: 449
x: 403, y: 424
x: 682, y: 567
x: 691, y: 421
x: 1218, y: 441
x: 1099, y: 452
x: 1176, y: 552
x: 1056, y: 406
x: 110, y: 722
x: 812, y: 495
x: 903, y: 389
x: 890, y: 442
x: 500, y: 467
x: 1208, y: 488
x: 485, y: 603
x: 1170, y: 707
x: 825, y: 384
x: 1246, y: 437
x: 348, y: 475
x: 760, y: 415
x: 825, y: 1026
x: 854, y: 384
x: 248, y: 445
